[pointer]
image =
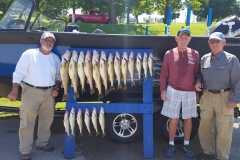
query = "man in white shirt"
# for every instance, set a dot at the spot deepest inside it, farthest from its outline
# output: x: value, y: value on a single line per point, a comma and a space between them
x: 38, y: 72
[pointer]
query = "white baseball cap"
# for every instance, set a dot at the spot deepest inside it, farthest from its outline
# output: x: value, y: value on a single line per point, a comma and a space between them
x: 47, y: 34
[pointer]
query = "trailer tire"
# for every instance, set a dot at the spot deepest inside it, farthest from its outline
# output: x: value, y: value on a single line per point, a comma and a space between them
x: 123, y: 119
x: 179, y: 137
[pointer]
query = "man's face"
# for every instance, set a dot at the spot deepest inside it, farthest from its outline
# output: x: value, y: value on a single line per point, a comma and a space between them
x: 47, y: 44
x: 183, y: 40
x: 216, y: 45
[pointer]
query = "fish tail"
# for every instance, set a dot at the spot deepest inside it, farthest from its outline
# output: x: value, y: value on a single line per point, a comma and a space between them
x: 65, y: 97
x: 133, y: 83
x: 124, y: 87
x: 76, y: 95
x: 112, y: 88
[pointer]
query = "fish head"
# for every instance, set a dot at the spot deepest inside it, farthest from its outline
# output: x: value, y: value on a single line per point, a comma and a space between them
x: 66, y: 56
x: 110, y: 57
x: 103, y: 56
x: 117, y: 56
x: 87, y: 112
x: 66, y: 114
x: 94, y: 111
x: 88, y: 57
x: 101, y: 110
x: 81, y: 56
x: 151, y: 55
x: 125, y: 56
x: 73, y: 110
x: 74, y: 56
x: 79, y: 110
x: 139, y: 56
x: 95, y: 53
x: 145, y: 56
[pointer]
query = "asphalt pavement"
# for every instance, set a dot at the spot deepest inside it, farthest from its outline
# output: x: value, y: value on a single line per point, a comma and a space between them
x: 97, y: 148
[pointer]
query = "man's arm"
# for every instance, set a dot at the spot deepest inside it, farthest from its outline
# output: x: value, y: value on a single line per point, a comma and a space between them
x: 14, y: 93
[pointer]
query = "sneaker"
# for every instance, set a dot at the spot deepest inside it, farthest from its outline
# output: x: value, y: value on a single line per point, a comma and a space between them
x: 46, y: 148
x: 170, y: 151
x: 188, y: 151
x: 203, y: 156
x: 26, y: 156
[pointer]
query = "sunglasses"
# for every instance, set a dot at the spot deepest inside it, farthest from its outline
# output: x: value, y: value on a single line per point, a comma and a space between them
x: 49, y: 41
x: 214, y: 41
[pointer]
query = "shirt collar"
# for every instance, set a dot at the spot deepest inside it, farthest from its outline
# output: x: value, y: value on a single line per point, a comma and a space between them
x: 218, y: 56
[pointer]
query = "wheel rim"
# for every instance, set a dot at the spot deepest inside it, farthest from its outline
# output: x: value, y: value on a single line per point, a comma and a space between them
x: 125, y: 125
x: 79, y: 21
x: 179, y: 130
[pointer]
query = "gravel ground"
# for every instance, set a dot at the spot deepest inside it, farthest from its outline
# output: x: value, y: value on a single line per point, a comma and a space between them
x: 96, y: 148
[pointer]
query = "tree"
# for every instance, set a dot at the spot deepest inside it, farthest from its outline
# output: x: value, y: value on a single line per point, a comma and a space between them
x: 161, y: 6
x: 219, y: 12
x: 4, y: 5
x: 141, y: 6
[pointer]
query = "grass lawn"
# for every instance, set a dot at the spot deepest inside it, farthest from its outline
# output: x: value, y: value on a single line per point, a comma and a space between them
x: 154, y: 29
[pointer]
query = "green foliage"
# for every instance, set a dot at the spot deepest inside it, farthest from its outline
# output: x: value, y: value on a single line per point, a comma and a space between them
x: 221, y: 8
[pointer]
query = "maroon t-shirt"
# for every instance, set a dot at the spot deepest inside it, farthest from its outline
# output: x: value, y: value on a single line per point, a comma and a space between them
x: 179, y: 70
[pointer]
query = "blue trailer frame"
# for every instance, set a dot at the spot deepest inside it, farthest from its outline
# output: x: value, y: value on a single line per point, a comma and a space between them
x: 145, y: 108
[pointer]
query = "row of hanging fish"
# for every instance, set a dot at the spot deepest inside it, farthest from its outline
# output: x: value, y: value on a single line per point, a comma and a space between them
x: 69, y: 121
x: 98, y: 68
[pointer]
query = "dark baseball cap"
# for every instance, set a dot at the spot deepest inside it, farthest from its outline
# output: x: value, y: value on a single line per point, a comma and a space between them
x: 183, y: 30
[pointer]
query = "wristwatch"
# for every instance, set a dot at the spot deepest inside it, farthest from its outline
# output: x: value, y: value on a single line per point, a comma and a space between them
x: 56, y: 88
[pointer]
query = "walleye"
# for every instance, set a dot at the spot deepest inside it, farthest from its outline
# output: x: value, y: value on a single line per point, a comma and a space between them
x: 81, y: 73
x: 103, y: 70
x: 87, y: 121
x: 150, y: 65
x: 102, y: 121
x: 73, y: 73
x: 117, y: 69
x: 96, y: 74
x: 64, y: 74
x: 66, y: 123
x: 94, y: 120
x: 145, y: 65
x: 139, y: 66
x: 80, y: 121
x: 72, y: 121
x: 131, y: 67
x: 124, y: 68
x: 88, y: 71
x: 111, y: 71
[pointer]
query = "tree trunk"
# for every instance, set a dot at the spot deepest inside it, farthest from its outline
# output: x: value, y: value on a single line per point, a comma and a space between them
x: 111, y: 11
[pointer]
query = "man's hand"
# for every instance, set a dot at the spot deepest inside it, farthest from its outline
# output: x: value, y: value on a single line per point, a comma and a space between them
x: 12, y: 96
x: 232, y: 105
x: 198, y: 85
x: 164, y: 95
x: 54, y: 93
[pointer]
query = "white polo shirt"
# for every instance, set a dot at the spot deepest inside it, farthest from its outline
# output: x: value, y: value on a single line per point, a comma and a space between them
x: 37, y: 69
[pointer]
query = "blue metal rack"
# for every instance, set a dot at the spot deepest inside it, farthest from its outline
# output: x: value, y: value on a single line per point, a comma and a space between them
x: 145, y: 108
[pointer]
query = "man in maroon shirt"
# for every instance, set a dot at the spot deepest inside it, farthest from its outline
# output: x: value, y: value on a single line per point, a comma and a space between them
x: 177, y: 79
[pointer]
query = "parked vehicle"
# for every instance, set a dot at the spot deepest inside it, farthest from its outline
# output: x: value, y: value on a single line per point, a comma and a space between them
x: 93, y: 16
x: 21, y: 28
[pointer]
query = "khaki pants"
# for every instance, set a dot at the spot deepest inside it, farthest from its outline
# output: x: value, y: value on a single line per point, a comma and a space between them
x: 35, y: 102
x: 214, y: 106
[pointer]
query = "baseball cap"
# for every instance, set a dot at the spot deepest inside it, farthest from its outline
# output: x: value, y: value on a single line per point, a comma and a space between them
x: 47, y: 34
x: 217, y: 35
x: 183, y: 30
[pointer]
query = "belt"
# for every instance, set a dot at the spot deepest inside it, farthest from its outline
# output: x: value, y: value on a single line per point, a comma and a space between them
x: 37, y: 86
x: 218, y: 91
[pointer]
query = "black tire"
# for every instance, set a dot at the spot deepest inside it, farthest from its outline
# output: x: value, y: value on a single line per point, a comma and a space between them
x: 123, y: 119
x: 179, y: 137
x: 79, y: 20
